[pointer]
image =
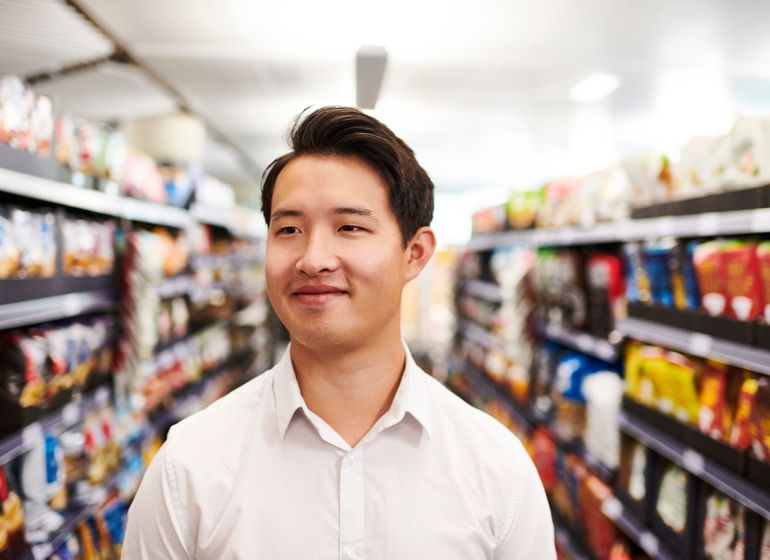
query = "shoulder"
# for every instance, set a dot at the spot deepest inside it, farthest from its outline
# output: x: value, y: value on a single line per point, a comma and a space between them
x: 473, y: 428
x: 489, y: 456
x: 216, y: 434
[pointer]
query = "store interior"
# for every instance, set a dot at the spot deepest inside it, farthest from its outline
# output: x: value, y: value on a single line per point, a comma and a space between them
x: 601, y: 285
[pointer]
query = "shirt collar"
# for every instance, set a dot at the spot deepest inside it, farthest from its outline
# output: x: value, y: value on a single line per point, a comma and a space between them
x: 411, y: 396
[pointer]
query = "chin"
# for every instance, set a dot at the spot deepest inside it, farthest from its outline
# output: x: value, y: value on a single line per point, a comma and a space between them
x: 323, y: 338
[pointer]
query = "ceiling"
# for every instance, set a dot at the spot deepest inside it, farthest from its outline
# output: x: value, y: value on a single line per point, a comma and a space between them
x: 479, y: 89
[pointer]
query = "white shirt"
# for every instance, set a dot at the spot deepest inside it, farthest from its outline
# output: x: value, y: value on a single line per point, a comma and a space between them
x: 258, y: 475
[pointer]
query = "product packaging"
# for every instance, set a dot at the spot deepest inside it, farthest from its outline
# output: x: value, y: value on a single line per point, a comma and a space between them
x: 637, y: 281
x: 684, y: 281
x: 763, y: 258
x: 603, y: 392
x: 712, y: 277
x: 723, y: 528
x: 657, y: 256
x: 605, y: 293
x: 743, y: 284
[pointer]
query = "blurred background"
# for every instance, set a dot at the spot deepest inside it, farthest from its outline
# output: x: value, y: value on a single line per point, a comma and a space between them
x: 602, y: 284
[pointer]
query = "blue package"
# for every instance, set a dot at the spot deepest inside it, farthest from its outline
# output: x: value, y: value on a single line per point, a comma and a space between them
x: 656, y: 263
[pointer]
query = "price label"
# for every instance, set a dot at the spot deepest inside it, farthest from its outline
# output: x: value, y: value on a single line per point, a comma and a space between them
x: 102, y: 396
x: 70, y: 413
x: 700, y: 344
x: 612, y: 508
x: 708, y: 224
x: 42, y: 551
x: 760, y: 220
x: 585, y: 343
x: 664, y: 226
x: 166, y: 359
x: 32, y: 435
x: 693, y: 462
x: 649, y: 543
x: 605, y: 351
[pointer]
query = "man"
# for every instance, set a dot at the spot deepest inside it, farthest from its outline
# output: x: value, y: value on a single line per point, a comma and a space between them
x: 345, y: 449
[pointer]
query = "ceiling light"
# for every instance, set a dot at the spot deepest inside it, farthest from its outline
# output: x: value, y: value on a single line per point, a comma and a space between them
x: 594, y: 87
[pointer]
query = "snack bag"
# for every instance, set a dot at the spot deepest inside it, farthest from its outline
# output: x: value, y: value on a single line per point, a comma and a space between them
x: 761, y: 443
x: 743, y: 431
x: 657, y: 255
x: 763, y: 259
x: 671, y: 505
x: 712, y: 417
x: 743, y: 285
x: 723, y: 528
x: 679, y: 390
x: 654, y: 390
x: 637, y: 281
x: 712, y: 278
x: 684, y: 282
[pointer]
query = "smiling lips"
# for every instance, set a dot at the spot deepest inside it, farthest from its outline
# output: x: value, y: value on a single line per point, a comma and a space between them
x: 317, y: 294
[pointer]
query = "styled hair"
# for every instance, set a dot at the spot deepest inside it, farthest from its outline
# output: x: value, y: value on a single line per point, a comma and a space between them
x: 348, y: 132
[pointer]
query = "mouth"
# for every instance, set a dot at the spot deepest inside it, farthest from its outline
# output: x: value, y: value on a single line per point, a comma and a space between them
x: 318, y: 295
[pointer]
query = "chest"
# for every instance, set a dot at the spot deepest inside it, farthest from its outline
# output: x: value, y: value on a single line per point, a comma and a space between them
x: 373, y: 505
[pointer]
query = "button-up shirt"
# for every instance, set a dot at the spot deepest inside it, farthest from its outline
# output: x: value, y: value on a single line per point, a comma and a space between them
x: 258, y: 475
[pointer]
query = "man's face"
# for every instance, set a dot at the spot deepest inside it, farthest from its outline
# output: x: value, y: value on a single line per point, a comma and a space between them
x: 335, y: 263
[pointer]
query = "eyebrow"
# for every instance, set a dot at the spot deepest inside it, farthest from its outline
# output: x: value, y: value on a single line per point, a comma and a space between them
x: 343, y: 210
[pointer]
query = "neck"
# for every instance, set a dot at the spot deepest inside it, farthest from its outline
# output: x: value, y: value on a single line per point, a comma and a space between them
x: 353, y: 388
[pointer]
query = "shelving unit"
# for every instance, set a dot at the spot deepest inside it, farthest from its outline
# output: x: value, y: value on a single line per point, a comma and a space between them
x: 697, y: 225
x: 697, y: 344
x: 33, y: 311
x: 487, y: 291
x: 633, y: 528
x: 584, y: 342
x: 54, y: 423
x: 755, y: 498
x: 62, y: 194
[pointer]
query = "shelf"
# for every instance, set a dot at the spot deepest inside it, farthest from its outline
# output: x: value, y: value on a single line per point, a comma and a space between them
x: 487, y: 291
x: 730, y: 484
x: 697, y: 344
x: 30, y: 312
x: 489, y: 389
x: 57, y: 193
x: 632, y: 527
x: 481, y: 336
x: 566, y: 541
x: 583, y: 342
x: 699, y: 225
x: 175, y: 287
x: 74, y: 518
x: 55, y: 423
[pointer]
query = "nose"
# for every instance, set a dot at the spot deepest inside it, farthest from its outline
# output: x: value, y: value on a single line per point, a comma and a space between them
x: 318, y: 255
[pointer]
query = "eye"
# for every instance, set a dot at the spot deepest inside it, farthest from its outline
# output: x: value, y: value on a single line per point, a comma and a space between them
x: 349, y: 228
x: 287, y: 230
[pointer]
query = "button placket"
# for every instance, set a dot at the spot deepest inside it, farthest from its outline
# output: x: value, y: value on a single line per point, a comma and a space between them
x: 352, y: 506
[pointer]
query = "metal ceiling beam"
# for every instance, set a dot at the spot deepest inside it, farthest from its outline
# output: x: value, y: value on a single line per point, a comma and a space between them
x: 122, y: 54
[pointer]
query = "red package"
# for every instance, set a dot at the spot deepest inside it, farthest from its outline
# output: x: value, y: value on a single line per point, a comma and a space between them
x: 763, y: 261
x: 601, y: 532
x: 743, y: 284
x: 711, y: 277
x: 544, y: 456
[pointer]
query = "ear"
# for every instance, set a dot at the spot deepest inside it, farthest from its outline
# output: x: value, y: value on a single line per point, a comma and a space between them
x: 419, y: 250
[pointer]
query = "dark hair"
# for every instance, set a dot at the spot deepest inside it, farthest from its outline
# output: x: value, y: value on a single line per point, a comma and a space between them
x: 348, y: 132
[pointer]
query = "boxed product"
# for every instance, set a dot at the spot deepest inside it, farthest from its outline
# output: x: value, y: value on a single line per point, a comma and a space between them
x: 674, y: 489
x: 634, y: 470
x: 712, y: 278
x: 743, y: 283
x: 657, y: 258
x: 723, y: 532
x: 605, y: 289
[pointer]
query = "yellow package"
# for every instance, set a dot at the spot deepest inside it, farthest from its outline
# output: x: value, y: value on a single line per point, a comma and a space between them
x: 653, y: 384
x: 682, y: 388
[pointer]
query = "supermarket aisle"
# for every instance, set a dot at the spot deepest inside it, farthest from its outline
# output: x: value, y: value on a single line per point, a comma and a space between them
x: 632, y: 354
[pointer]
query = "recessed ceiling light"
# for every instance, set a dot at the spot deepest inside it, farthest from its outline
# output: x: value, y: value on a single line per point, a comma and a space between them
x: 594, y: 87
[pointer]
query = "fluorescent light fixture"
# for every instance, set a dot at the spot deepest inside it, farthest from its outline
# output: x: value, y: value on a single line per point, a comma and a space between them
x: 594, y: 87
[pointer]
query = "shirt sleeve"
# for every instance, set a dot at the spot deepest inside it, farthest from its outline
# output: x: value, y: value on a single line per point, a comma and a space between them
x: 530, y: 535
x: 154, y: 529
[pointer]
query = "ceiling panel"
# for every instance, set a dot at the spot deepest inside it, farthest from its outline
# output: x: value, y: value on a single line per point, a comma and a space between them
x: 109, y: 92
x: 45, y: 35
